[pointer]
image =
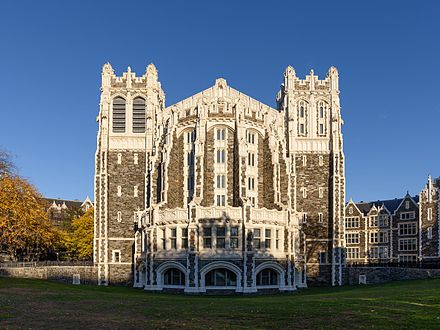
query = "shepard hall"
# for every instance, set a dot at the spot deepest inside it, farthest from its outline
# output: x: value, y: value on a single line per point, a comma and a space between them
x: 219, y: 192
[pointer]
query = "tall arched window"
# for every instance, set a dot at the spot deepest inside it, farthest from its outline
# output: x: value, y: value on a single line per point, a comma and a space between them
x: 267, y: 277
x: 118, y: 115
x: 174, y: 276
x: 139, y: 115
x: 221, y: 277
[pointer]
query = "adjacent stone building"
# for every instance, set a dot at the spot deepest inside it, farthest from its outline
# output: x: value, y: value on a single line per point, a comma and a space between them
x: 61, y: 211
x: 397, y: 230
x: 219, y: 191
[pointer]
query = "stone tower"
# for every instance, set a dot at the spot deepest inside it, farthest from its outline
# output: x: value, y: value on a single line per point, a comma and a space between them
x: 129, y: 108
x: 317, y: 176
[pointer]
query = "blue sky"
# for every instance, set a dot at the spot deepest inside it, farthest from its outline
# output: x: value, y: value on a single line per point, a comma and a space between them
x: 387, y: 54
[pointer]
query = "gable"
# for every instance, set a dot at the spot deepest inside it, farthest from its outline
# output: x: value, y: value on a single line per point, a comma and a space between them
x: 221, y: 93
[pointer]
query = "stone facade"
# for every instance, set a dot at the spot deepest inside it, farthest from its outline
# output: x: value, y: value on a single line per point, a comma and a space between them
x: 219, y: 192
x: 398, y: 230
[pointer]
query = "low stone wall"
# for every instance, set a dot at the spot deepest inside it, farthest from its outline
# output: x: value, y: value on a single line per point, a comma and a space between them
x: 66, y: 274
x: 376, y: 275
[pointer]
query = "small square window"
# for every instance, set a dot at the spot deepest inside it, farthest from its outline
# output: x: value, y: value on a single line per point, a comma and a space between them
x: 116, y: 256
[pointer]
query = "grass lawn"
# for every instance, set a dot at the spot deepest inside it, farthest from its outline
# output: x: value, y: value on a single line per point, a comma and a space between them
x: 26, y: 303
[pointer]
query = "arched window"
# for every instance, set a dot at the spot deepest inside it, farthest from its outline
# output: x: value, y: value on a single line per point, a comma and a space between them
x: 221, y: 277
x: 118, y: 115
x: 267, y: 277
x: 139, y: 115
x: 174, y: 276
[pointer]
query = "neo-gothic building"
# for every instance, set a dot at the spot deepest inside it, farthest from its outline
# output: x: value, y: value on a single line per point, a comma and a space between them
x: 219, y: 191
x: 398, y: 230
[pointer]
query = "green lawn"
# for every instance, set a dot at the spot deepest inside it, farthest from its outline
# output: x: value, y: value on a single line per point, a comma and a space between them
x: 26, y: 303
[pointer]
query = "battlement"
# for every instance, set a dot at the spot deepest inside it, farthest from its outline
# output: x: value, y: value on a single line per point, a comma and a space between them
x: 311, y: 81
x: 129, y: 80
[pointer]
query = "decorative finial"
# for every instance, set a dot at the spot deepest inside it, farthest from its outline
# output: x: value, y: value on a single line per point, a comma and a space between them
x: 107, y: 68
x: 290, y: 71
x: 312, y: 72
x: 151, y: 68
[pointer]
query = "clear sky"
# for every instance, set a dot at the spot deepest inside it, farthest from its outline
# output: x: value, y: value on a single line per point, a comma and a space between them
x: 387, y: 54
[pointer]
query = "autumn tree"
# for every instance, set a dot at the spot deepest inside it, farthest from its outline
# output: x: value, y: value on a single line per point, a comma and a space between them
x: 80, y: 240
x: 25, y: 231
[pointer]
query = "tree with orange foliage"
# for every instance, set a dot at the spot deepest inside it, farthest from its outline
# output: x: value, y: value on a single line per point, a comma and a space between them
x: 25, y: 231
